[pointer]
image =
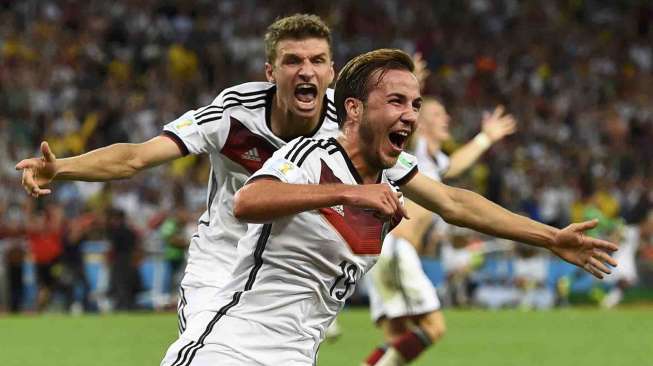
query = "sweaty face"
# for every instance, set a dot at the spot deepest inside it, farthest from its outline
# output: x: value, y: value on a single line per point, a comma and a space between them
x: 302, y: 71
x: 434, y: 121
x: 389, y: 117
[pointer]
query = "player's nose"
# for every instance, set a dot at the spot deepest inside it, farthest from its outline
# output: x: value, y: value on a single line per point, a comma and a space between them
x: 410, y: 117
x: 307, y: 70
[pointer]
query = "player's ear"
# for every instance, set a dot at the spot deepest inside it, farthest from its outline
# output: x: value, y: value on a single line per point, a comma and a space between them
x: 268, y: 72
x: 354, y: 108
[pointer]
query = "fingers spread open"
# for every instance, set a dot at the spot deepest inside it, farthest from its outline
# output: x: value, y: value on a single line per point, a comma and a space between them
x: 593, y: 271
x: 599, y: 265
x: 604, y: 257
x: 602, y: 244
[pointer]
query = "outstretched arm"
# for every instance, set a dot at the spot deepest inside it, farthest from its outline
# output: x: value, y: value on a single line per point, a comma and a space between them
x: 116, y: 161
x: 495, y: 126
x: 465, y: 208
x: 266, y: 199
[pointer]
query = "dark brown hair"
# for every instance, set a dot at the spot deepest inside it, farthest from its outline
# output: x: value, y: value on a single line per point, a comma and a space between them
x: 298, y: 26
x: 355, y: 77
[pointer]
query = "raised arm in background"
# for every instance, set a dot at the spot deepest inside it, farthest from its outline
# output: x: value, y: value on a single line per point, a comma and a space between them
x: 495, y: 126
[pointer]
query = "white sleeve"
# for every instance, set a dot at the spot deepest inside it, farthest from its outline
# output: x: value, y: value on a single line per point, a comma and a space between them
x: 282, y: 168
x: 404, y: 170
x: 203, y: 130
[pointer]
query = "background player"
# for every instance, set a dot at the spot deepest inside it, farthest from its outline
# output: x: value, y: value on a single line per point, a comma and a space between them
x: 403, y: 301
x: 434, y: 131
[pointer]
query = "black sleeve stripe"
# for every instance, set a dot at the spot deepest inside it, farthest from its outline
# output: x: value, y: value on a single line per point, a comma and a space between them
x: 208, y: 112
x: 303, y: 146
x: 218, y: 115
x: 177, y: 140
x: 252, y: 107
x: 306, y: 154
x: 322, y: 144
x: 406, y: 178
x: 207, y: 120
x: 331, y: 109
x: 204, y: 109
x: 226, y: 95
x: 287, y: 157
x: 243, y: 101
x: 247, y: 94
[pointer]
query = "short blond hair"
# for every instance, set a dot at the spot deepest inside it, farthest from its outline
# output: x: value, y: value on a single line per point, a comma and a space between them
x: 298, y: 26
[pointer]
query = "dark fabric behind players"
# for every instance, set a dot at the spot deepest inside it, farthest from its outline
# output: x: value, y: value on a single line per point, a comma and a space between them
x: 125, y: 279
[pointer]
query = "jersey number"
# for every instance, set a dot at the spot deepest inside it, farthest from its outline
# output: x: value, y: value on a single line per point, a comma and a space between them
x: 347, y: 277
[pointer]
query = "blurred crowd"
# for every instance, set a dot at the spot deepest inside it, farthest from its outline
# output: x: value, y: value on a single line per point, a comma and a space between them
x: 578, y: 76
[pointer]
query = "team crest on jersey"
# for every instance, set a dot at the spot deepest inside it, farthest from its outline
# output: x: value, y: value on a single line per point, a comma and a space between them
x: 360, y: 228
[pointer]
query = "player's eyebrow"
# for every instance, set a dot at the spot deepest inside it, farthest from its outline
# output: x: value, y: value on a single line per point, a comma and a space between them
x: 416, y: 103
x: 397, y: 95
x: 291, y: 56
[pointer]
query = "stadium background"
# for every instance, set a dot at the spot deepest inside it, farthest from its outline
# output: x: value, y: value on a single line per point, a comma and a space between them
x: 578, y: 75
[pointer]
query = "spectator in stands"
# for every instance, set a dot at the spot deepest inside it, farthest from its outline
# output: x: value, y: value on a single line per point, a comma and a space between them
x: 125, y: 278
x: 73, y: 274
x: 45, y: 235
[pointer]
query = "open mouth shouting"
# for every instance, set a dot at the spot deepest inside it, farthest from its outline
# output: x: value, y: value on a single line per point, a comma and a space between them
x: 398, y: 139
x: 306, y: 96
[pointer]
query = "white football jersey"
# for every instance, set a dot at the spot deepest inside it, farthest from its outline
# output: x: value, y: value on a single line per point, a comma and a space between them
x: 234, y: 130
x: 434, y: 167
x: 294, y: 274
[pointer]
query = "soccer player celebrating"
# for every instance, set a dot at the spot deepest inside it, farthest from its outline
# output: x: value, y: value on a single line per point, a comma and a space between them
x: 239, y: 130
x: 323, y: 207
x: 403, y: 301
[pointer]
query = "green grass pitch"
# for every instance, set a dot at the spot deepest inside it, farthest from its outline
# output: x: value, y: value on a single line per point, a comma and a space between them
x: 574, y: 337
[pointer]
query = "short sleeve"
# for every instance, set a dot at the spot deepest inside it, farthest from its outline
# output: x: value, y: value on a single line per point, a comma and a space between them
x: 199, y: 131
x: 281, y: 167
x: 404, y: 170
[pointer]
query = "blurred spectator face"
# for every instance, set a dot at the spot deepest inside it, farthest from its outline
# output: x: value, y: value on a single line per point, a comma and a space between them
x: 434, y: 121
x: 302, y: 70
x: 115, y: 218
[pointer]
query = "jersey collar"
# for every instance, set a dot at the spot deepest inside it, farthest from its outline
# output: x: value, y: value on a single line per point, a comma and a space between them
x: 268, y: 112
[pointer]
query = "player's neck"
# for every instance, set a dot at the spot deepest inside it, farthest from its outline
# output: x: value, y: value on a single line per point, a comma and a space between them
x: 287, y: 126
x: 368, y: 171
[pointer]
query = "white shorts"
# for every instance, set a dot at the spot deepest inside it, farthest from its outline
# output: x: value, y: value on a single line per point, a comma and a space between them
x: 397, y: 283
x: 627, y: 269
x: 211, y: 339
